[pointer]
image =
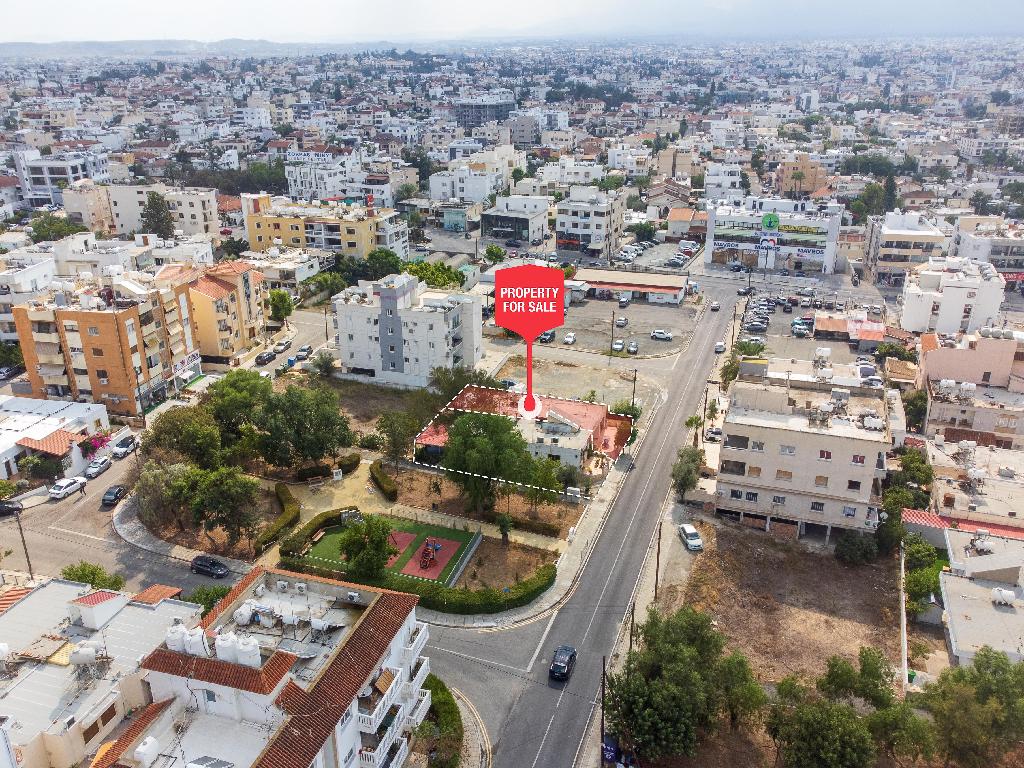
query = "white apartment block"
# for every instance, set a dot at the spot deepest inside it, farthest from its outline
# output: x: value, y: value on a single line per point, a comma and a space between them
x: 816, y: 458
x: 43, y: 177
x: 396, y: 330
x: 22, y: 280
x: 288, y: 669
x: 590, y: 221
x: 993, y: 240
x: 773, y: 233
x: 635, y: 161
x: 569, y: 170
x: 524, y: 217
x: 193, y: 209
x: 80, y: 255
x: 284, y: 269
x: 547, y: 119
x: 897, y: 242
x: 722, y: 180
x: 252, y: 117
x: 973, y: 147
x: 466, y: 184
x: 950, y: 296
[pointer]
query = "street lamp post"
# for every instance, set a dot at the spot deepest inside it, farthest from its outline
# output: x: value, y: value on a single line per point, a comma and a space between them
x: 632, y: 400
x: 24, y: 545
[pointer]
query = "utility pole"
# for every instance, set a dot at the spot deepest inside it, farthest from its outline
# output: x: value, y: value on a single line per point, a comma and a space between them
x: 327, y: 336
x: 657, y: 561
x: 632, y: 400
x: 24, y: 545
x: 612, y: 344
x: 632, y: 622
x: 604, y: 671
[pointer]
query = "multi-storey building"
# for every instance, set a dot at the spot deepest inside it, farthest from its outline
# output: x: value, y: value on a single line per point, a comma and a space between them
x: 285, y: 269
x: 44, y: 177
x: 897, y: 242
x: 88, y: 204
x: 569, y: 170
x: 951, y: 296
x: 21, y: 281
x: 227, y: 304
x: 635, y: 161
x: 126, y: 344
x: 722, y: 181
x: 194, y: 209
x: 83, y: 253
x: 468, y: 183
x: 350, y: 230
x: 397, y: 330
x: 771, y: 233
x: 590, y: 221
x: 524, y: 217
x: 992, y: 239
x: 974, y: 147
x: 799, y: 175
x: 477, y: 110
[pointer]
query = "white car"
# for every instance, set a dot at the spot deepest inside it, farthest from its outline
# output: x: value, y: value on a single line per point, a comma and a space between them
x: 719, y: 346
x: 570, y: 338
x: 714, y: 306
x: 66, y: 486
x: 691, y: 538
x: 661, y: 335
x: 97, y: 467
x: 124, y: 446
x: 618, y: 345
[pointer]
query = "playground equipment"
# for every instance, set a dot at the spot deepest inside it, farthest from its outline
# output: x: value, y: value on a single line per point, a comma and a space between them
x: 429, y: 554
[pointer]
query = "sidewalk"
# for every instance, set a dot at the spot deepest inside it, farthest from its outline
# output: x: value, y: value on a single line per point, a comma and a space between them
x: 130, y: 528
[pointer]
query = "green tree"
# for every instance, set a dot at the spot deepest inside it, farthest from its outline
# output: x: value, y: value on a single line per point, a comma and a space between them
x: 190, y: 432
x: 302, y: 425
x: 397, y: 430
x: 918, y: 553
x: 855, y: 548
x: 322, y: 363
x: 742, y: 695
x: 610, y: 183
x: 494, y: 253
x: 901, y: 733
x: 448, y: 382
x: 542, y: 485
x: 482, y: 449
x: 7, y: 489
x: 238, y: 400
x: 435, y: 274
x: 224, y: 498
x: 643, y: 231
x: 94, y: 575
x: 47, y: 228
x: 693, y: 423
x: 156, y: 216
x: 208, y: 596
x: 518, y: 174
x: 891, y: 349
x: 889, y: 193
x: 981, y: 202
x: 686, y: 471
x: 366, y: 547
x: 916, y: 406
x: 821, y: 734
x: 281, y: 305
x: 406, y: 191
x: 505, y: 525
x: 381, y: 262
x: 159, y: 493
x: 968, y: 723
x: 233, y: 248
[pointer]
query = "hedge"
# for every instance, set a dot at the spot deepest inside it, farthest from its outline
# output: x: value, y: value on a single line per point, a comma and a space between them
x: 294, y: 544
x: 349, y: 462
x: 289, y: 517
x: 384, y: 481
x: 317, y: 470
x: 542, y: 527
x: 437, y: 596
x: 444, y: 711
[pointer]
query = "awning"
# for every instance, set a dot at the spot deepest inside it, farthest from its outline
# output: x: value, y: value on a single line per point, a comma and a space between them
x: 185, y: 376
x: 642, y: 288
x: 596, y: 246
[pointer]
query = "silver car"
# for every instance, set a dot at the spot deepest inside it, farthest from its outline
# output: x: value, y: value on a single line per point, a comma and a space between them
x: 97, y: 467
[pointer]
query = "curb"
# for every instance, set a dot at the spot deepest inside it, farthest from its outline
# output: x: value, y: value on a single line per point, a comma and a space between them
x: 486, y: 750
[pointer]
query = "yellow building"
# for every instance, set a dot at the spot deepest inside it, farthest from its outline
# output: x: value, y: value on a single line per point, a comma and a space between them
x: 799, y: 175
x: 350, y: 230
x: 227, y: 305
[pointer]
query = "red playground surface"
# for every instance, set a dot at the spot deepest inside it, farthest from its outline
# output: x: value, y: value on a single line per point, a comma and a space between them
x: 434, y: 554
x: 400, y: 540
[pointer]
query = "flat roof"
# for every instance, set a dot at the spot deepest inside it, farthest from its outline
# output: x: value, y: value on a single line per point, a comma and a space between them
x: 974, y: 620
x: 640, y: 280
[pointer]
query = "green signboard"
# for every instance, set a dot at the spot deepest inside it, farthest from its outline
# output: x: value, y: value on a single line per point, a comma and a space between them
x: 770, y: 221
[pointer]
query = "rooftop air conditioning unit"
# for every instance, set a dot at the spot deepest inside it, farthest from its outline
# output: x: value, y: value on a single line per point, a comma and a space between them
x: 282, y: 585
x: 300, y: 587
x: 353, y: 597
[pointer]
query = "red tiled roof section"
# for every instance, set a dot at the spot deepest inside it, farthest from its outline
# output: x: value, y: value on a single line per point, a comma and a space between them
x: 243, y: 584
x: 929, y: 341
x: 313, y: 714
x: 57, y: 443
x: 212, y: 287
x: 95, y: 598
x: 263, y: 680
x: 11, y: 596
x: 135, y: 729
x: 155, y: 593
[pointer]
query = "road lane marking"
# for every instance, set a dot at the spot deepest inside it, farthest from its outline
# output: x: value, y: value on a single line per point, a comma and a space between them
x: 478, y: 660
x: 78, y: 533
x: 543, y: 639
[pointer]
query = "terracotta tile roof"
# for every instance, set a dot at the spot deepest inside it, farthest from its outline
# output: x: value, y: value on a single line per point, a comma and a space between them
x: 95, y: 598
x: 681, y: 214
x: 212, y: 287
x: 127, y: 739
x: 929, y: 341
x: 155, y: 593
x: 57, y: 443
x: 263, y: 680
x: 11, y: 596
x: 226, y: 203
x: 226, y: 601
x: 932, y: 520
x: 903, y: 370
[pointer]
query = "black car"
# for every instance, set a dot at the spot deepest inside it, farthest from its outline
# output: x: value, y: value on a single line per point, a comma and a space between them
x: 784, y: 272
x: 113, y: 495
x: 208, y: 566
x: 512, y: 243
x: 562, y: 663
x: 10, y: 508
x: 547, y: 337
x: 10, y: 371
x: 265, y: 357
x: 736, y: 268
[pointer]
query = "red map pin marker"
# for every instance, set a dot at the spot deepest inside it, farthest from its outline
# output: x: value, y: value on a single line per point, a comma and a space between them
x: 529, y: 300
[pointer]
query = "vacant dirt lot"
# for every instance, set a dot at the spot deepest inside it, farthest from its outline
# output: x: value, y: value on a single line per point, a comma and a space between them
x: 497, y: 566
x: 364, y: 403
x: 786, y: 608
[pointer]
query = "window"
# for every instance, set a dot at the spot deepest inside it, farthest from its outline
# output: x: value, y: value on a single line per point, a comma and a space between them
x: 783, y: 474
x: 97, y: 352
x: 824, y: 455
x: 853, y: 485
x: 817, y: 506
x: 787, y: 450
x: 986, y: 377
x: 101, y: 373
x: 733, y: 468
x: 94, y: 331
x: 735, y: 494
x: 108, y: 714
x: 779, y: 500
x: 751, y: 495
x: 821, y: 481
x: 858, y: 459
x: 210, y: 696
x: 753, y: 471
x: 90, y: 733
x: 756, y: 445
x: 850, y: 511
x: 740, y: 442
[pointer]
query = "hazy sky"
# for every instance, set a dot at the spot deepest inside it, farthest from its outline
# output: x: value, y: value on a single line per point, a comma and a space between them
x: 410, y: 20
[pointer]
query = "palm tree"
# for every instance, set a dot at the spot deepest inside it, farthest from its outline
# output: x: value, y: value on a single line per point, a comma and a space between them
x: 797, y: 177
x: 694, y: 423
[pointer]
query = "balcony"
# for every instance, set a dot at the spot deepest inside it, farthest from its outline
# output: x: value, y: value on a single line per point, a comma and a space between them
x: 419, y: 711
x: 419, y: 674
x: 395, y: 756
x: 375, y: 751
x: 417, y: 642
x: 378, y: 698
x: 46, y: 338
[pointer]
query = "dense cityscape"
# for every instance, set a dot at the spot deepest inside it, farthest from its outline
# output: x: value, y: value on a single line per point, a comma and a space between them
x: 269, y: 493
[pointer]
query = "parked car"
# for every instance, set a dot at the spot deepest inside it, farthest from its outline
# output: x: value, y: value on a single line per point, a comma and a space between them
x: 97, y: 466
x: 225, y: 231
x: 282, y: 346
x: 621, y: 322
x: 422, y: 249
x: 623, y: 301
x: 513, y: 243
x: 209, y: 566
x: 661, y: 335
x: 10, y: 507
x: 632, y: 348
x: 735, y: 267
x: 124, y: 446
x: 753, y: 340
x: 784, y: 272
x: 569, y: 338
x: 618, y: 345
x: 113, y: 495
x: 265, y: 357
x: 801, y: 332
x: 547, y: 337
x: 508, y: 383
x: 714, y: 306
x: 303, y: 352
x: 799, y: 273
x: 719, y: 346
x: 66, y: 486
x: 787, y: 308
x: 855, y: 281
x: 10, y: 371
x: 755, y: 327
x: 816, y: 303
x: 743, y: 291
x: 562, y: 663
x: 691, y: 538
x: 876, y: 309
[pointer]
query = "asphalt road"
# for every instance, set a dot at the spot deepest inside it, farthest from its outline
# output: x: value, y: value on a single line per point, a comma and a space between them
x: 532, y: 721
x: 309, y: 325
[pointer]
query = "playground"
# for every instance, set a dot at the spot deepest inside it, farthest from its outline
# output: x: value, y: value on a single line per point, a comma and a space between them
x: 425, y: 551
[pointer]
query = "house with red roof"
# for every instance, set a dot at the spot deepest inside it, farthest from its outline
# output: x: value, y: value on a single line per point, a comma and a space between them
x: 57, y: 430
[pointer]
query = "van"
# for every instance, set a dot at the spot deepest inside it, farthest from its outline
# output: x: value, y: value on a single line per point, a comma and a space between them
x: 623, y: 301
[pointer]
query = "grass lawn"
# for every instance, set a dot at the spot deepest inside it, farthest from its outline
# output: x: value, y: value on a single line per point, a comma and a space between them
x: 326, y: 549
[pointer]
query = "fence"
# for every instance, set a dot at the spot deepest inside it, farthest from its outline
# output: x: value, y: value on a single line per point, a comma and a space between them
x: 467, y: 555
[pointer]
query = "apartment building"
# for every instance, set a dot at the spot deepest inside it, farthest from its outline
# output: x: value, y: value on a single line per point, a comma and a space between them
x: 194, y: 209
x: 82, y: 255
x: 992, y: 239
x: 72, y: 665
x: 523, y: 217
x: 396, y: 330
x: 284, y: 268
x: 951, y: 296
x: 351, y: 230
x: 569, y: 170
x: 87, y: 203
x: 126, y: 343
x: 772, y: 233
x: 590, y: 221
x: 227, y: 304
x: 805, y: 456
x: 22, y: 280
x: 722, y: 180
x: 476, y: 110
x: 44, y: 177
x: 633, y: 160
x: 973, y: 147
x: 799, y: 175
x: 896, y: 242
x: 468, y: 183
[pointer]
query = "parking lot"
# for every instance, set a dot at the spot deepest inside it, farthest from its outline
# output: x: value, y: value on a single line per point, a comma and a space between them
x: 592, y: 322
x: 781, y: 342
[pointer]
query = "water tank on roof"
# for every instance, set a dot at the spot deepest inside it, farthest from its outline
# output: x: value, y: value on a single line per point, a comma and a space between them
x: 82, y: 654
x: 243, y: 614
x: 196, y: 643
x: 147, y: 752
x: 823, y: 352
x: 176, y: 634
x: 227, y: 647
x: 5, y: 651
x: 248, y: 651
x: 1002, y: 596
x: 947, y: 383
x: 1008, y: 333
x: 985, y: 331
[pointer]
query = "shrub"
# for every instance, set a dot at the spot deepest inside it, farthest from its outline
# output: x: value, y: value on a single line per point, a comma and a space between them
x: 371, y: 441
x: 317, y: 470
x: 855, y: 548
x: 385, y: 482
x: 541, y: 527
x: 444, y: 712
x: 294, y: 544
x: 208, y: 596
x: 289, y: 517
x: 423, y: 456
x: 922, y: 583
x: 918, y: 552
x: 349, y: 462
